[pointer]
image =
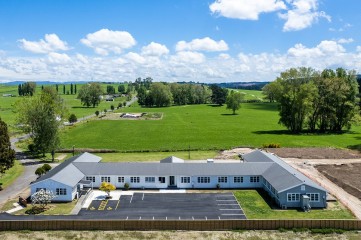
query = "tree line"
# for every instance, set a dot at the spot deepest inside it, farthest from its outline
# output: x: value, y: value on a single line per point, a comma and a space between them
x: 325, y: 101
x: 165, y: 94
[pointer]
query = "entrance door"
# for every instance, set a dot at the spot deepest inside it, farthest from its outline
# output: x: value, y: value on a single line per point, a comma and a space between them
x: 171, y: 181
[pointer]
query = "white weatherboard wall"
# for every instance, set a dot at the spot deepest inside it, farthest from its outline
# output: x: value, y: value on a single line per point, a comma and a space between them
x: 192, y: 184
x: 52, y: 185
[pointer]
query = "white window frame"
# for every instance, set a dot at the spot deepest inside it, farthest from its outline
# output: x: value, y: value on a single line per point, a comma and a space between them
x: 161, y: 179
x: 105, y: 179
x: 303, y: 188
x: 135, y: 179
x: 238, y: 179
x: 222, y: 179
x: 60, y: 191
x: 314, y: 197
x: 90, y: 178
x: 121, y: 179
x: 254, y: 179
x: 203, y: 179
x: 293, y: 197
x: 185, y: 179
x: 150, y: 179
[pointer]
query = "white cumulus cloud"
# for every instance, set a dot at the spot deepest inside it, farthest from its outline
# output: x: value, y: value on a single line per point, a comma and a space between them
x: 302, y: 15
x: 51, y: 43
x: 135, y: 57
x: 345, y: 40
x: 58, y: 58
x: 105, y: 41
x: 245, y: 9
x: 204, y: 44
x: 155, y: 49
x: 189, y: 57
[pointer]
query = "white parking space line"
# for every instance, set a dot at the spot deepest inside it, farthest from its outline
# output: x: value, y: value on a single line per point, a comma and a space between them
x: 232, y: 214
x: 131, y: 199
x: 230, y: 209
x: 226, y: 200
x: 227, y: 204
x: 143, y: 197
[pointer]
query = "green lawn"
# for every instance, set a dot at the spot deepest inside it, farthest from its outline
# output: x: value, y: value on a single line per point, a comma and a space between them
x: 154, y: 156
x: 52, y: 209
x: 73, y: 104
x: 255, y: 207
x: 251, y: 94
x: 12, y: 174
x: 202, y: 127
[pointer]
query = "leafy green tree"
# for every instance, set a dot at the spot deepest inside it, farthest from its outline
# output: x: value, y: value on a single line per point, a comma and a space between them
x: 110, y: 89
x: 27, y: 89
x: 56, y: 87
x: 297, y: 94
x: 7, y: 154
x: 40, y: 116
x: 72, y: 118
x: 160, y: 95
x: 271, y: 91
x: 40, y: 171
x: 142, y: 95
x: 64, y: 89
x: 46, y: 167
x: 71, y: 88
x: 219, y: 94
x: 112, y: 107
x: 89, y: 94
x: 121, y: 88
x: 97, y: 113
x: 234, y: 100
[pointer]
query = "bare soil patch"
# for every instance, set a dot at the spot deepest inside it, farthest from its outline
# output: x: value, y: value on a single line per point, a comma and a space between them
x: 132, y: 116
x: 315, y: 153
x: 346, y: 176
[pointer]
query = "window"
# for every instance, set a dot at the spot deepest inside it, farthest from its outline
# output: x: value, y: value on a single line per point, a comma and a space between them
x: 134, y: 179
x: 222, y: 179
x: 105, y: 179
x: 314, y: 197
x: 61, y: 191
x: 38, y: 189
x: 150, y: 179
x: 161, y: 179
x: 204, y: 179
x: 293, y: 197
x: 91, y: 178
x: 238, y: 179
x: 185, y: 179
x: 121, y: 179
x: 254, y: 179
x: 303, y: 188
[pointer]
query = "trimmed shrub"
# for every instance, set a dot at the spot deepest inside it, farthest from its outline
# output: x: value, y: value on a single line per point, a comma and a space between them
x: 271, y: 145
x: 126, y: 186
x: 46, y: 167
x: 72, y: 118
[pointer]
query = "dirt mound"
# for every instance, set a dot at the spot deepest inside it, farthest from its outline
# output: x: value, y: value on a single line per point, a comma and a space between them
x: 315, y: 153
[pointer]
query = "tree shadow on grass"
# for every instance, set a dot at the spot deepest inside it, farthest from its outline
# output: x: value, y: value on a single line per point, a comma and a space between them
x: 214, y: 105
x: 229, y: 114
x: 303, y: 133
x: 83, y: 107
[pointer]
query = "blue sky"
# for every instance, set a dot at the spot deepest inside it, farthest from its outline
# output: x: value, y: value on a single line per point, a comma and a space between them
x: 175, y: 40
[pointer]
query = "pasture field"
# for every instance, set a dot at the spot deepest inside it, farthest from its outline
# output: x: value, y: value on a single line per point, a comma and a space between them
x: 202, y: 127
x: 73, y: 104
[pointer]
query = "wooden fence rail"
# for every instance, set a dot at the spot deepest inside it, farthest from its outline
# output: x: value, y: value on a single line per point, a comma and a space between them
x: 199, y: 225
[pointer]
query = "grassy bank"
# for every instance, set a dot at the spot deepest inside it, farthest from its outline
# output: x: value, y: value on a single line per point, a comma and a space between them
x: 12, y: 174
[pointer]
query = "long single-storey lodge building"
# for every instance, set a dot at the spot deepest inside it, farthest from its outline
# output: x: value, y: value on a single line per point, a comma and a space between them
x: 258, y: 169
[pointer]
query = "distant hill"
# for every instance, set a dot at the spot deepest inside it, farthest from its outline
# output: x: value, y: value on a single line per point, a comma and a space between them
x: 244, y: 85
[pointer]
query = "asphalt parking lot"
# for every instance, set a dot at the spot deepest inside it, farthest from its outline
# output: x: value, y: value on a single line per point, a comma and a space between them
x: 167, y: 206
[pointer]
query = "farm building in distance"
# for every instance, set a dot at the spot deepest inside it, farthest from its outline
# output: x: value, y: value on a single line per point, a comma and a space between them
x: 288, y: 187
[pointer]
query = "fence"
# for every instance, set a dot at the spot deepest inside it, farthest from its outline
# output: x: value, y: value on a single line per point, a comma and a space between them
x: 202, y: 225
